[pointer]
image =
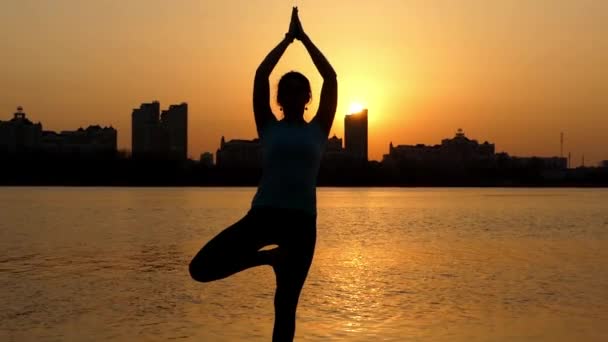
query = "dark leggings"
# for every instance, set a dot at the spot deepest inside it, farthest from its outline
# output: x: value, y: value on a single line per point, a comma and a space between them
x: 238, y: 248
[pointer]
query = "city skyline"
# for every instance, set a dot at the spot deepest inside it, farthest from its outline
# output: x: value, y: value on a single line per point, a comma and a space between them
x: 21, y: 136
x: 518, y: 73
x: 90, y: 157
x: 170, y: 129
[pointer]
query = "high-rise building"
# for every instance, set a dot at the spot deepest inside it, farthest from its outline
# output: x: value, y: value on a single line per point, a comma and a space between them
x: 145, y: 129
x: 355, y: 134
x: 175, y: 122
x: 160, y: 136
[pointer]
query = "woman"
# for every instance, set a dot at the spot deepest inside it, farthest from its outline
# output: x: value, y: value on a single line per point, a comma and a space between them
x: 283, y: 211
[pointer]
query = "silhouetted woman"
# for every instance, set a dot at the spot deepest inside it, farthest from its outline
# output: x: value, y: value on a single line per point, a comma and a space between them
x: 283, y: 211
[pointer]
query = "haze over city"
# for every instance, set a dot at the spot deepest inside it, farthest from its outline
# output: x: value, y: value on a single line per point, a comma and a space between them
x: 516, y: 73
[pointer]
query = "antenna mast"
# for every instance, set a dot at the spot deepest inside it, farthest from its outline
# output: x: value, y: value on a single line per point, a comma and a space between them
x: 561, y: 145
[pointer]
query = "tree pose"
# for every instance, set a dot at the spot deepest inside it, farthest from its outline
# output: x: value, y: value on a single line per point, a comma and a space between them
x: 283, y: 210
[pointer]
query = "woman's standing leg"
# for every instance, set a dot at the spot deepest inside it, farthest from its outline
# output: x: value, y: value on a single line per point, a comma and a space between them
x: 294, y: 258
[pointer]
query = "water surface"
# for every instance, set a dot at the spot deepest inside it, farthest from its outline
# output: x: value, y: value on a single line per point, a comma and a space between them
x: 98, y: 264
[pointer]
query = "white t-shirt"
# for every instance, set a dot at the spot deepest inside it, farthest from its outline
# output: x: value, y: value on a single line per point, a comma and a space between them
x: 291, y: 154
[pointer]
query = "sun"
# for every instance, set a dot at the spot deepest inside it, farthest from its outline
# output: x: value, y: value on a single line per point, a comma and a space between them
x: 355, y: 107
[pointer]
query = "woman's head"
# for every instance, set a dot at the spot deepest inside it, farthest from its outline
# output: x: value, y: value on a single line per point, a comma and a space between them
x: 293, y: 93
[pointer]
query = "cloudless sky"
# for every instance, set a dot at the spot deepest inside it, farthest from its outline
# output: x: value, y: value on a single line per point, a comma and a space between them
x: 514, y: 72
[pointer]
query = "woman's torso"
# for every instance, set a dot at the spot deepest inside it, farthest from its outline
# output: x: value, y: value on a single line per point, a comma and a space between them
x: 291, y: 155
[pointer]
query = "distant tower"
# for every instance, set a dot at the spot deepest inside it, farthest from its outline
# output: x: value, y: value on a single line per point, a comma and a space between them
x: 460, y: 133
x: 355, y: 134
x: 583, y: 161
x: 19, y: 115
x: 569, y: 160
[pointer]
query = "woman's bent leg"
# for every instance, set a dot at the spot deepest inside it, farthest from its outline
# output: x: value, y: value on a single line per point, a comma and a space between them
x: 238, y: 248
x: 233, y: 250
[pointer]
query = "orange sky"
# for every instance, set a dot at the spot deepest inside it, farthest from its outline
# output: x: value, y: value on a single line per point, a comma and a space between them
x: 514, y: 72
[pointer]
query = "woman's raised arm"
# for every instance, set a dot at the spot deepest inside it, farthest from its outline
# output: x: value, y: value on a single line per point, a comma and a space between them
x: 329, y: 92
x: 261, y: 86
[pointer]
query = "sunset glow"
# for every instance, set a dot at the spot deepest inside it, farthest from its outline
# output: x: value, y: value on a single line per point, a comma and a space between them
x: 511, y: 72
x: 354, y: 108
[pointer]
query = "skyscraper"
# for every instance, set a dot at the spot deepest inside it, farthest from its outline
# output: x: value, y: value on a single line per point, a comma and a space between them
x: 145, y: 130
x: 160, y: 136
x: 355, y: 134
x: 175, y: 122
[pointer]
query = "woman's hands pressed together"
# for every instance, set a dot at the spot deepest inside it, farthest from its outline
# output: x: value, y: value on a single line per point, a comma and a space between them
x: 295, y: 26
